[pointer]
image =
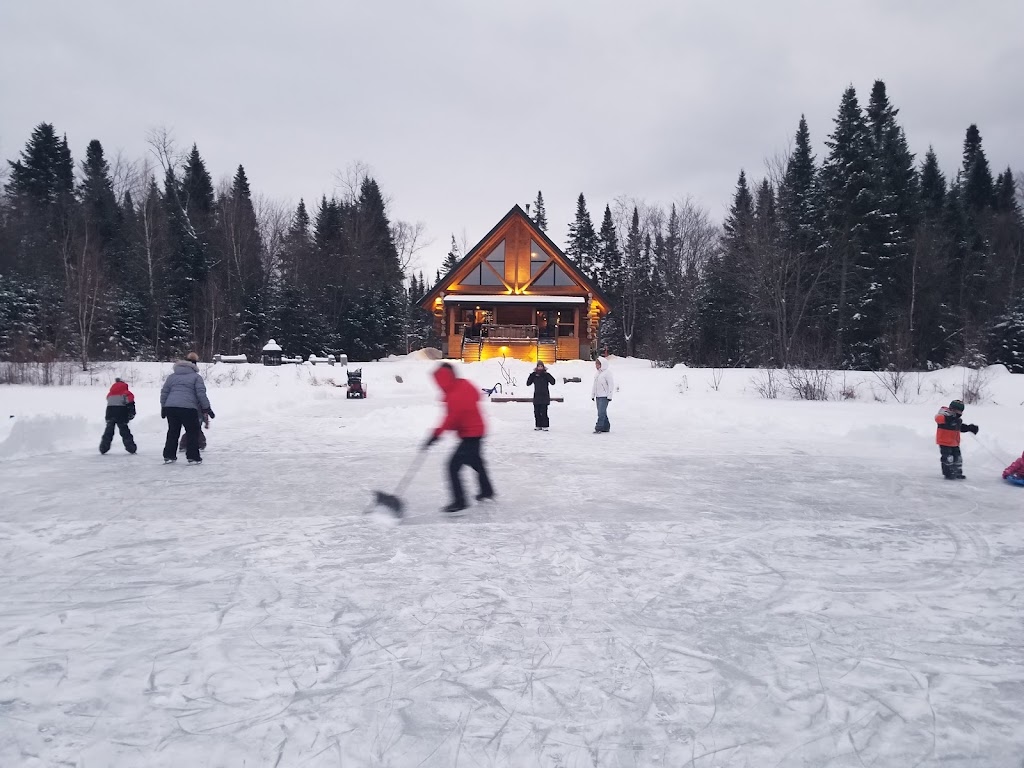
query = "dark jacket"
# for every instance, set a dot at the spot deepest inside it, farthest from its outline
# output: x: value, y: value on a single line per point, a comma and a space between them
x: 120, y: 404
x: 540, y: 380
x: 462, y: 412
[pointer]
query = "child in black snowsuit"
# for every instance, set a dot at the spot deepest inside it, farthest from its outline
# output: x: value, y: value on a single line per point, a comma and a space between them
x: 120, y: 410
x: 204, y: 421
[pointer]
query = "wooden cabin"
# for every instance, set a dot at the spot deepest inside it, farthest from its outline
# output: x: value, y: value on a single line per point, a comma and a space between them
x: 516, y: 294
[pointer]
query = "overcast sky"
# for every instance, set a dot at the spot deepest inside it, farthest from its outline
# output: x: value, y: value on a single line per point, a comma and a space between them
x: 462, y: 108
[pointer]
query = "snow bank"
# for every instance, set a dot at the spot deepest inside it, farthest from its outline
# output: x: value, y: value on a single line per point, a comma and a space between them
x: 42, y: 435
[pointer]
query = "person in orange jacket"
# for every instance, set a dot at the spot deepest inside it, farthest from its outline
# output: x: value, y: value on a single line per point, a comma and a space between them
x: 120, y: 410
x: 947, y: 436
x: 462, y: 416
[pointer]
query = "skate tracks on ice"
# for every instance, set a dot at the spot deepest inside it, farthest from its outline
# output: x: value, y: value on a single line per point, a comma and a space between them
x: 247, y: 613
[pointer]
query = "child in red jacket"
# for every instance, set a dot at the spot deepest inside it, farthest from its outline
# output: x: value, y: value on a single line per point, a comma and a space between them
x: 1015, y: 471
x: 120, y: 410
x: 462, y: 416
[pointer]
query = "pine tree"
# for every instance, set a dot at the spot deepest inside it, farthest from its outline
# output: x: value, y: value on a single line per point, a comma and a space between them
x: 583, y: 244
x: 850, y: 215
x: 895, y: 190
x: 540, y: 217
x: 452, y: 259
x: 725, y: 308
x: 241, y: 270
x: 611, y: 280
x: 931, y: 315
x: 40, y: 203
x: 801, y: 256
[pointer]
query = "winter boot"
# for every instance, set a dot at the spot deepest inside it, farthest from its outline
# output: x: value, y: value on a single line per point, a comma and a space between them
x: 104, y: 446
x: 454, y: 509
x: 195, y: 461
x: 169, y: 461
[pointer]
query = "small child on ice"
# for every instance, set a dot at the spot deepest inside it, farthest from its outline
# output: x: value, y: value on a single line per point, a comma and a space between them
x: 1015, y: 472
x: 120, y: 410
x: 204, y: 421
x: 947, y: 436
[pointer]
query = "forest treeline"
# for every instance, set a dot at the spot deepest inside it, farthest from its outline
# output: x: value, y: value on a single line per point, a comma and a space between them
x: 868, y: 257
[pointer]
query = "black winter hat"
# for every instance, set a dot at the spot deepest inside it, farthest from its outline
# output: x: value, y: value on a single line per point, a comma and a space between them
x: 957, y: 405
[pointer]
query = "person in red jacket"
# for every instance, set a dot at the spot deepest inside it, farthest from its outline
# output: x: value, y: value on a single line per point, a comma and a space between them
x: 462, y: 416
x: 947, y: 437
x: 120, y: 410
x: 1016, y: 470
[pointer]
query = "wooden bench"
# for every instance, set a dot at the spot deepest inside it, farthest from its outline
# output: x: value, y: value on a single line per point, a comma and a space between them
x: 504, y: 399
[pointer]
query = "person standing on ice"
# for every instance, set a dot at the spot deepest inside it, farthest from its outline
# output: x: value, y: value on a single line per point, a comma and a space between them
x: 462, y: 416
x: 182, y: 399
x: 120, y: 410
x: 540, y: 380
x: 601, y: 393
x: 947, y: 436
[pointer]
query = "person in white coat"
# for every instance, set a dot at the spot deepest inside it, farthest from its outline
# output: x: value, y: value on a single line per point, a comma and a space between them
x: 601, y: 393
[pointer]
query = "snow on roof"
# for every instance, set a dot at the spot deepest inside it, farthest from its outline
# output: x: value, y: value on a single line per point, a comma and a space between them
x: 510, y: 298
x: 272, y: 346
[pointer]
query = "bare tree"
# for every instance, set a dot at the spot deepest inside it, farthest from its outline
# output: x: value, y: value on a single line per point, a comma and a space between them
x: 273, y: 219
x: 408, y: 238
x: 349, y: 181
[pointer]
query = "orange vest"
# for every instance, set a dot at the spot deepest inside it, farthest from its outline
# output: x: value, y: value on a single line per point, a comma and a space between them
x: 949, y: 423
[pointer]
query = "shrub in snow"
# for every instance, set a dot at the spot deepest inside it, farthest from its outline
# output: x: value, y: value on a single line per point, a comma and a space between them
x: 811, y: 384
x: 767, y: 383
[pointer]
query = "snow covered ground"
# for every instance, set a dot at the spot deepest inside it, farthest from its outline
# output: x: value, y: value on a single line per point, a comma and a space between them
x: 722, y: 580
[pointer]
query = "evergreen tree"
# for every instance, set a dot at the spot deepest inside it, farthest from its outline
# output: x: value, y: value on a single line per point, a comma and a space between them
x: 540, y: 216
x: 1006, y: 338
x: 850, y: 216
x: 895, y: 190
x: 40, y: 206
x: 724, y: 309
x: 452, y: 259
x: 611, y: 279
x: 583, y: 243
x: 801, y: 258
x: 931, y: 316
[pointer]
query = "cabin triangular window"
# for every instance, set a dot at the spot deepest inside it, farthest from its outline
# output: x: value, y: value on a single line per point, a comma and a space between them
x: 554, y: 276
x: 490, y: 270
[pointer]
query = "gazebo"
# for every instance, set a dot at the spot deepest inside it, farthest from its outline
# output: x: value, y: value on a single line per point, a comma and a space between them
x: 516, y: 294
x: 272, y: 353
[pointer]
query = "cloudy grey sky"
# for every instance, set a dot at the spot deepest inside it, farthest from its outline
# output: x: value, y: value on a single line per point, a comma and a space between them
x: 462, y: 108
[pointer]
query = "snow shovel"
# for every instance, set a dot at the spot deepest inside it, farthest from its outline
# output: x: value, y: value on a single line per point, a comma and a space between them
x: 392, y: 502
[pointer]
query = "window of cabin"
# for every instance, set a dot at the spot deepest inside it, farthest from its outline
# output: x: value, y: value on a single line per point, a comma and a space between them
x: 538, y: 258
x: 481, y: 275
x: 554, y: 276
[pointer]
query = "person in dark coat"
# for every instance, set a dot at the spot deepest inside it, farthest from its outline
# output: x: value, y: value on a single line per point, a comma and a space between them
x: 462, y: 416
x: 120, y: 410
x: 540, y: 380
x: 182, y: 400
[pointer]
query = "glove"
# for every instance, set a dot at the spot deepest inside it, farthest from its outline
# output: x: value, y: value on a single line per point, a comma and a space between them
x: 209, y: 412
x: 430, y: 441
x: 973, y: 428
x: 163, y: 413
